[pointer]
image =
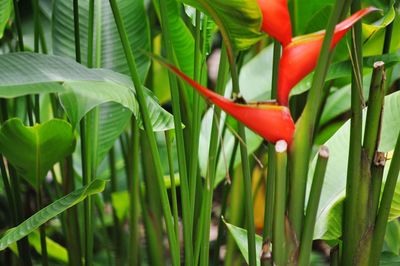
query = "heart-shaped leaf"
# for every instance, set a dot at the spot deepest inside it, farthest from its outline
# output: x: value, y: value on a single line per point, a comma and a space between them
x: 5, y: 12
x: 34, y: 150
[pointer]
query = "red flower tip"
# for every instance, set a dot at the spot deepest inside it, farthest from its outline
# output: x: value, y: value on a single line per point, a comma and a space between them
x: 276, y: 20
x: 270, y: 121
x: 300, y: 57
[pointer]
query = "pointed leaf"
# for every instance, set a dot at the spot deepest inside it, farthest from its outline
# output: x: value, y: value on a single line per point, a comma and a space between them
x: 34, y: 150
x: 240, y: 237
x: 32, y: 223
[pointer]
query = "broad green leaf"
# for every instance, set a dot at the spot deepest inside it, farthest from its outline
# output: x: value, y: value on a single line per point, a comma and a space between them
x: 108, y: 53
x: 240, y: 237
x: 80, y: 89
x: 32, y: 223
x: 238, y: 20
x: 334, y: 186
x: 34, y: 150
x: 54, y: 250
x: 5, y: 13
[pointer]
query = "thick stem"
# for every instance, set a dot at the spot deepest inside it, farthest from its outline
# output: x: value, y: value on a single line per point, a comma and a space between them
x: 279, y: 253
x: 301, y: 147
x: 312, y: 207
x: 133, y: 185
x: 384, y: 208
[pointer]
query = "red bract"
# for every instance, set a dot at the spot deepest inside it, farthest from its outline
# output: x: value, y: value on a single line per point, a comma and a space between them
x: 300, y: 57
x: 270, y: 121
x: 276, y: 20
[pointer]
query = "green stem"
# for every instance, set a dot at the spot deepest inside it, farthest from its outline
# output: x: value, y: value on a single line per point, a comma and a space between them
x: 352, y: 230
x: 246, y: 175
x: 42, y: 230
x: 90, y: 35
x: 196, y: 118
x: 180, y: 144
x: 149, y: 132
x: 14, y: 198
x: 133, y: 185
x: 312, y: 207
x: 301, y: 147
x: 114, y: 186
x: 19, y: 27
x: 71, y: 217
x: 270, y: 182
x: 36, y: 11
x: 377, y: 169
x: 278, y: 238
x: 76, y: 31
x: 384, y: 209
x: 169, y: 140
x: 202, y: 241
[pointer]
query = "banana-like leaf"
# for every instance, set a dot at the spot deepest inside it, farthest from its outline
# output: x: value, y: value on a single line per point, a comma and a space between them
x: 238, y: 20
x: 329, y: 210
x: 240, y: 237
x: 108, y: 53
x: 34, y: 150
x: 5, y: 12
x: 80, y: 89
x: 32, y: 223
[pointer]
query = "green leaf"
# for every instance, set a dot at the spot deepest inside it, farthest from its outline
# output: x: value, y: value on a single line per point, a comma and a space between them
x: 80, y: 89
x: 49, y: 212
x: 240, y: 237
x: 5, y: 13
x: 110, y: 53
x: 334, y: 187
x: 238, y: 20
x: 389, y: 259
x: 34, y: 150
x: 181, y: 38
x: 392, y: 236
x: 306, y: 11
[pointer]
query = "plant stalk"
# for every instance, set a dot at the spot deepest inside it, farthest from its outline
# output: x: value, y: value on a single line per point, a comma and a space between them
x: 279, y: 252
x: 149, y: 132
x: 384, y: 208
x: 312, y: 207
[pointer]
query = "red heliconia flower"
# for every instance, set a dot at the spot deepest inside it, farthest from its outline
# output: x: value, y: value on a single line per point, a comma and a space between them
x: 270, y: 121
x: 276, y: 20
x: 300, y: 57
